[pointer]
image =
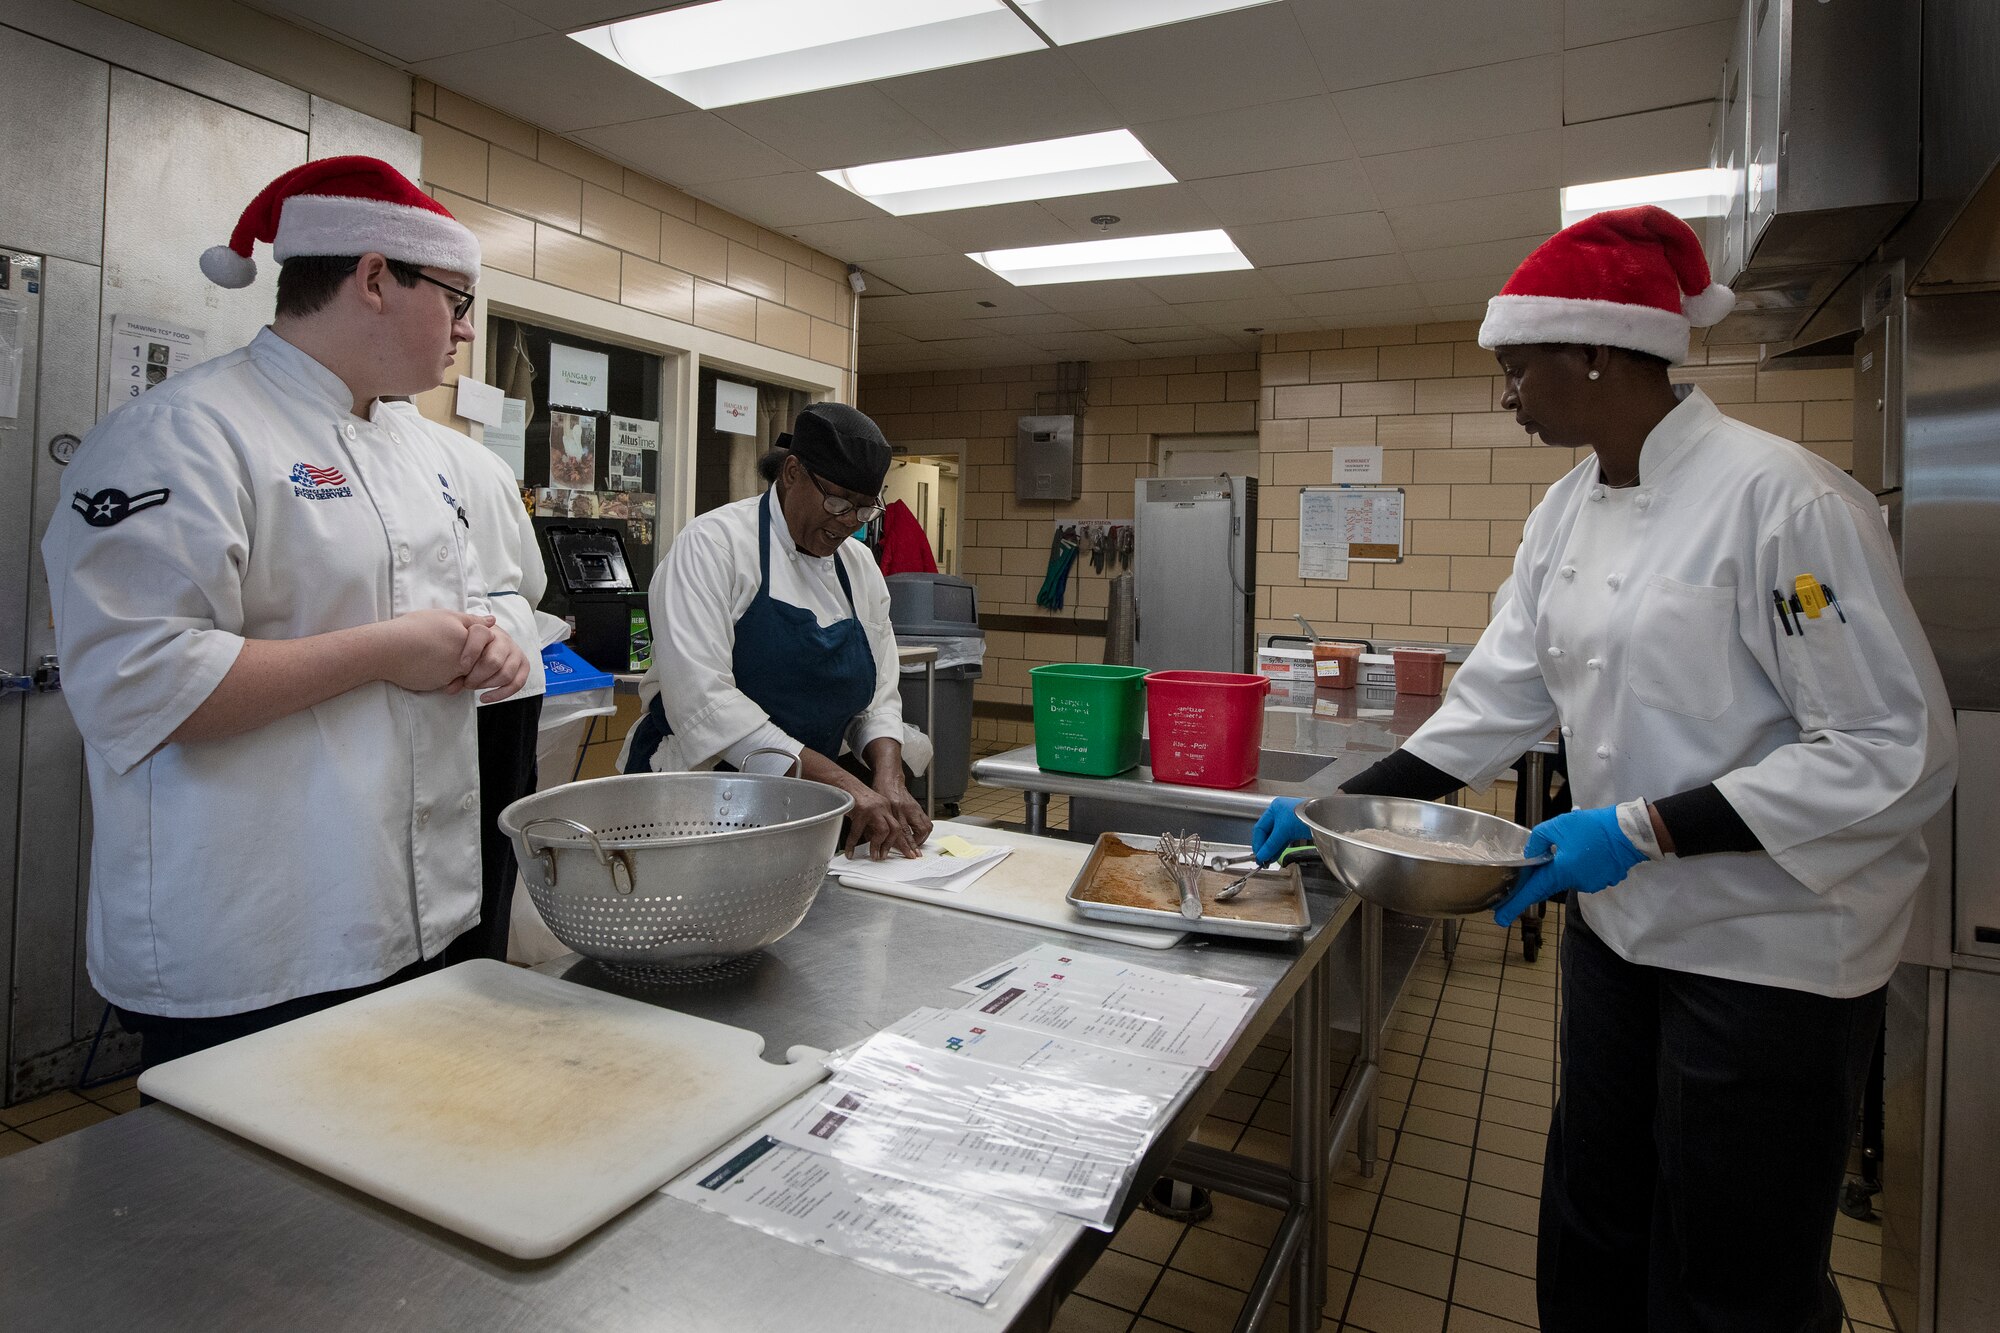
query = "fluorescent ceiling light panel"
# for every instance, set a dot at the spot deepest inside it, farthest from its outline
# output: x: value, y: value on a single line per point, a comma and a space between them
x: 1081, y: 164
x: 725, y: 52
x: 1121, y: 257
x: 1703, y: 193
x: 1067, y: 21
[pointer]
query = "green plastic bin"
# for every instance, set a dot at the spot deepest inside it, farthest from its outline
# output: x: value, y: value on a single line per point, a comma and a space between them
x: 1089, y: 718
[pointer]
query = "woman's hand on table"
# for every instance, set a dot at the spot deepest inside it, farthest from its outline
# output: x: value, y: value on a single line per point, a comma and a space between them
x: 884, y: 822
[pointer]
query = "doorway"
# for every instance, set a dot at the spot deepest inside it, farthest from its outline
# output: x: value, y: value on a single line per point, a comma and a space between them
x: 930, y: 484
x: 1208, y: 455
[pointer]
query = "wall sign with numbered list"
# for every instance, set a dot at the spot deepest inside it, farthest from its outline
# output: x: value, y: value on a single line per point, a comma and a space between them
x: 144, y: 352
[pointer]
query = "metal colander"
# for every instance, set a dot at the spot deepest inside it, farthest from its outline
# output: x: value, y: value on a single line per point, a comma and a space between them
x: 674, y: 871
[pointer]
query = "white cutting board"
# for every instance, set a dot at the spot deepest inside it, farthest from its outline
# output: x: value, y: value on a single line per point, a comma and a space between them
x: 1029, y: 887
x: 519, y: 1110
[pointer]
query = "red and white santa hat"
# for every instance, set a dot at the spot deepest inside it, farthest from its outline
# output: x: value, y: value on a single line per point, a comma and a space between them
x: 344, y: 206
x: 1631, y: 277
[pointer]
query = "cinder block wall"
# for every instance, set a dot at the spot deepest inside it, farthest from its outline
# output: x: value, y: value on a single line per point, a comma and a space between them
x: 1427, y: 394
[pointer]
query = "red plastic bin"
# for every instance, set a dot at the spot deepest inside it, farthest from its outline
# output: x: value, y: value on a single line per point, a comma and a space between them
x: 1205, y: 726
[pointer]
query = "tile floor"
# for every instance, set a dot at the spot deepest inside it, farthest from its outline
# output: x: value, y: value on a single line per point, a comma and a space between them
x: 1439, y: 1240
x: 1442, y: 1238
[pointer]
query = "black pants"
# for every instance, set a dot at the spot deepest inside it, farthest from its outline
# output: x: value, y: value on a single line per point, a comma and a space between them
x: 163, y: 1039
x: 506, y: 774
x: 1698, y: 1148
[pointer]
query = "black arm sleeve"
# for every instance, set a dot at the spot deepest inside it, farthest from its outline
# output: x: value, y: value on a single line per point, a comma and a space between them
x: 1403, y: 774
x: 1702, y: 820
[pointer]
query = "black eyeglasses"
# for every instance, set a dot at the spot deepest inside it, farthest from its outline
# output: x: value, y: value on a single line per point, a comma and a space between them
x: 464, y: 304
x: 840, y: 506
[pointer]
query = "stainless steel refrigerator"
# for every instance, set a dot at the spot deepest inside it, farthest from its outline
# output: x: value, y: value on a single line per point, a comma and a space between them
x: 1195, y: 581
x: 1927, y: 441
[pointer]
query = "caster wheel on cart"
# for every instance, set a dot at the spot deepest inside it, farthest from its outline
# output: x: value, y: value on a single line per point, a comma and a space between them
x: 1530, y: 946
x: 1178, y: 1201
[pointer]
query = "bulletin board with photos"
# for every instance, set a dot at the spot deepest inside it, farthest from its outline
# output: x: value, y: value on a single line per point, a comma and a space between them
x: 593, y: 431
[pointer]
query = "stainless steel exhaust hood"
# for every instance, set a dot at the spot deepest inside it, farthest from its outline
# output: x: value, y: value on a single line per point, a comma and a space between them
x: 1819, y: 122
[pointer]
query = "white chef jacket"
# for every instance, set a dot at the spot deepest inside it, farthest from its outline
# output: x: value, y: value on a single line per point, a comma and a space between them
x: 704, y: 585
x: 327, y: 849
x: 1642, y: 621
x: 502, y: 533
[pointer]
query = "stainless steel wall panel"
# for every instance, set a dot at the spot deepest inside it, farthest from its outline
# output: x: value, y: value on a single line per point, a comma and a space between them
x: 1951, y: 486
x: 337, y: 129
x: 1968, y: 1234
x: 53, y: 104
x: 181, y: 168
x: 94, y: 33
x: 1912, y: 1088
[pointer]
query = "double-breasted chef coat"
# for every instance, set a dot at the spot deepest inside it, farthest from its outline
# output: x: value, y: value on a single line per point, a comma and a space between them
x: 1642, y: 622
x: 326, y: 850
x: 708, y: 581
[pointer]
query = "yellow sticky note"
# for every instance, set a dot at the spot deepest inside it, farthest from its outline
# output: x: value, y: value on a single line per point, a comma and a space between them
x: 953, y: 845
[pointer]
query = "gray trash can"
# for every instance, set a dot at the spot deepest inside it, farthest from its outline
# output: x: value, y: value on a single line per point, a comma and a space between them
x: 942, y: 612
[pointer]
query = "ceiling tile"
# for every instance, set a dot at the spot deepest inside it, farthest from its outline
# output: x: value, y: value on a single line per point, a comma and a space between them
x: 1361, y: 44
x: 949, y: 305
x: 686, y: 150
x: 1027, y: 325
x: 1305, y: 239
x: 1238, y: 59
x: 1676, y: 139
x: 1084, y: 346
x: 1645, y: 73
x: 552, y: 82
x: 1587, y: 22
x: 1144, y: 212
x: 413, y: 31
x: 1370, y: 301
x: 1340, y: 274
x: 1451, y: 108
x: 1469, y: 310
x: 865, y: 240
x: 837, y: 127
x: 1292, y: 133
x: 1466, y: 170
x: 1251, y: 310
x: 1179, y: 288
x: 1468, y: 261
x: 1466, y: 291
x: 938, y: 330
x: 874, y: 333
x: 1286, y: 193
x: 1116, y: 294
x: 936, y: 273
x: 1132, y: 317
x: 999, y: 227
x: 1018, y: 99
x: 1464, y: 221
x: 791, y: 199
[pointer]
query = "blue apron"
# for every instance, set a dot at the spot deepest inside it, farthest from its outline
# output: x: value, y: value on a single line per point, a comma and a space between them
x: 810, y: 679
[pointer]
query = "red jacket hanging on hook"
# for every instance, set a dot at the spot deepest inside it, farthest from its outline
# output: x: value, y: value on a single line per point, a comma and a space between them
x: 905, y: 548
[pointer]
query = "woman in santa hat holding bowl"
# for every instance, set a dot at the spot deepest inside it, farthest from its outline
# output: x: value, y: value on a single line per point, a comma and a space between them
x: 1757, y: 731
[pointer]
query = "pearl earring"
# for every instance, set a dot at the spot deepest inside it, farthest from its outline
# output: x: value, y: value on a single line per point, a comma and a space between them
x: 1593, y: 374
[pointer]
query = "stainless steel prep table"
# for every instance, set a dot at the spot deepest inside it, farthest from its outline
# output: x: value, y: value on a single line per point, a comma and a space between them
x: 158, y: 1220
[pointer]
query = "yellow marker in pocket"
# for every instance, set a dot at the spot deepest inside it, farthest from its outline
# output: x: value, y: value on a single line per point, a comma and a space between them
x: 1811, y: 597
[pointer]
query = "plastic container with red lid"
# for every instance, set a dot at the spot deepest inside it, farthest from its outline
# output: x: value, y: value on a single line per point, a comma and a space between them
x: 1419, y: 670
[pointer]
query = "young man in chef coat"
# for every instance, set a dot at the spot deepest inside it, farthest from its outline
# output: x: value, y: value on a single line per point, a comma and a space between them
x: 264, y: 605
x: 1756, y: 733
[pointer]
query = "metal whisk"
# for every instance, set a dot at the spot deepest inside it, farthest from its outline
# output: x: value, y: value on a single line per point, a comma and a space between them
x: 1181, y: 854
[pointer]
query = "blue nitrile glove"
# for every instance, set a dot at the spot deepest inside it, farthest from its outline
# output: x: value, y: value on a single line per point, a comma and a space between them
x: 1591, y: 853
x: 1278, y: 828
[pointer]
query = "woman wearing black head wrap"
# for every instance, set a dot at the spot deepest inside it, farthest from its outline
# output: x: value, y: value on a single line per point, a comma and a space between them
x: 771, y: 631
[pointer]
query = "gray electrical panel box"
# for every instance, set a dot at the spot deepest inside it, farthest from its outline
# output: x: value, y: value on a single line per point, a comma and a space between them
x: 1047, y: 465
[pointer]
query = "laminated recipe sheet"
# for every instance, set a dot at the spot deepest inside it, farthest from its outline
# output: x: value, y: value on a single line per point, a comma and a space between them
x: 977, y: 1037
x: 1023, y: 1136
x: 937, y: 1238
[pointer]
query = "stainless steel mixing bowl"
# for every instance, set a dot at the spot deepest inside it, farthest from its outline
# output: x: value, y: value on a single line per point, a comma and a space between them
x: 1405, y: 881
x: 672, y: 871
